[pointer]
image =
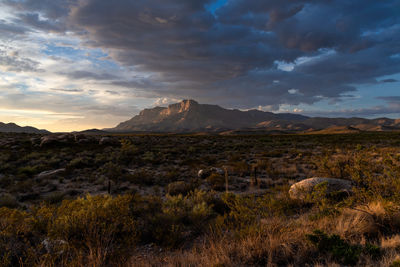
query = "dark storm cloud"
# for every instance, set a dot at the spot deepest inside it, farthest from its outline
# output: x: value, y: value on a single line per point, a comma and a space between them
x: 232, y: 56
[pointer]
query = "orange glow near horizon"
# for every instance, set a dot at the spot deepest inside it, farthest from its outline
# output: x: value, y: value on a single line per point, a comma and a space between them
x: 51, y: 121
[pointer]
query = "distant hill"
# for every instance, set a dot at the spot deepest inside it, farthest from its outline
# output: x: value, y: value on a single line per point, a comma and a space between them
x: 92, y: 132
x: 14, y: 128
x: 190, y: 116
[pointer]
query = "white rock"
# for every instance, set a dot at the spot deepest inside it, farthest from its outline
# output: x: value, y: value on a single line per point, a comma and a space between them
x: 51, y: 173
x: 301, y: 189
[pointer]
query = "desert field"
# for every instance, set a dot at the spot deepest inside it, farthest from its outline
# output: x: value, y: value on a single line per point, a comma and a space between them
x: 198, y: 200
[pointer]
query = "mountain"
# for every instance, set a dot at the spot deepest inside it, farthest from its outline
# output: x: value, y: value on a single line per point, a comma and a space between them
x: 190, y: 116
x: 14, y: 128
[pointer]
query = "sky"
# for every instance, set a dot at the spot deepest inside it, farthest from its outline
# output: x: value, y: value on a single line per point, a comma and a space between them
x: 70, y: 65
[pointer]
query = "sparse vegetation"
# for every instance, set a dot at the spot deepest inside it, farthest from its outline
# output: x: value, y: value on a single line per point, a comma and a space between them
x: 159, y: 212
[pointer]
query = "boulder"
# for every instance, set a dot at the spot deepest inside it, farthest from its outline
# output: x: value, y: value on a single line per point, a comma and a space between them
x: 204, y: 173
x: 49, y: 140
x: 80, y: 137
x: 35, y: 140
x: 51, y: 173
x: 217, y: 170
x: 84, y: 139
x: 54, y: 246
x: 56, y: 139
x: 305, y: 187
x: 66, y: 138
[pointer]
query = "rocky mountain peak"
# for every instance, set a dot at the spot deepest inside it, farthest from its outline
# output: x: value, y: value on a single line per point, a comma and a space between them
x: 190, y: 116
x: 183, y: 106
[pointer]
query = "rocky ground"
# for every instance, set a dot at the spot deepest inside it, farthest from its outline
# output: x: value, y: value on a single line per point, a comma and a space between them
x: 53, y: 167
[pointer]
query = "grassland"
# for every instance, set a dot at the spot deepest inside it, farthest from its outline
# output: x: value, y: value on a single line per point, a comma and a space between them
x: 137, y: 201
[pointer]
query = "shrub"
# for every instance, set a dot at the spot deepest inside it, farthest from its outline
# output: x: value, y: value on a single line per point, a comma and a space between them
x: 8, y: 201
x: 174, y: 220
x: 217, y: 181
x: 179, y: 187
x: 142, y: 177
x: 99, y: 228
x: 127, y: 151
x: 55, y: 197
x: 341, y: 250
x: 113, y: 171
x: 395, y: 263
x: 27, y: 171
x: 16, y: 243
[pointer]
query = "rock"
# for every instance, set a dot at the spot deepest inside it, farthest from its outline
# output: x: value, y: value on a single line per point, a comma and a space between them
x: 35, y: 140
x: 56, y: 139
x: 80, y: 137
x: 66, y: 137
x: 84, y: 139
x: 217, y: 170
x: 204, y: 173
x: 54, y: 246
x: 51, y: 173
x: 48, y: 140
x: 108, y: 141
x: 301, y: 189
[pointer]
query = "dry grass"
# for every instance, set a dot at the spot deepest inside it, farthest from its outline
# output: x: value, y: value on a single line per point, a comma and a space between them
x: 391, y: 242
x: 281, y: 242
x: 276, y: 242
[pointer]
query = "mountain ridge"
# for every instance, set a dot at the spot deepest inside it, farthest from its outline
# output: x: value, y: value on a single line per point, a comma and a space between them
x: 15, y: 128
x: 190, y: 116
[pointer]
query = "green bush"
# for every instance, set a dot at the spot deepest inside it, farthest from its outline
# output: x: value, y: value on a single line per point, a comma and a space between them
x: 341, y: 250
x: 17, y: 245
x: 174, y: 220
x: 395, y: 263
x: 96, y: 224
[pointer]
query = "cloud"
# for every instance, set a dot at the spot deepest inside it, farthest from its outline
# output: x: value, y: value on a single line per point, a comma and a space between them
x: 9, y: 30
x: 35, y: 21
x: 201, y: 55
x: 82, y: 74
x: 392, y: 106
x: 67, y: 90
x: 389, y: 81
x: 12, y: 62
x: 242, y: 54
